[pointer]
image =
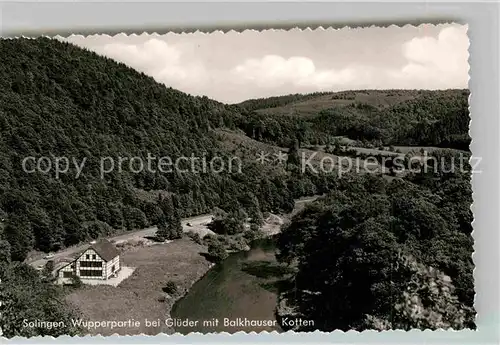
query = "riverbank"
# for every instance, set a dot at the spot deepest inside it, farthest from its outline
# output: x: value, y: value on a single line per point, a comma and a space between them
x: 241, y: 287
x: 140, y: 297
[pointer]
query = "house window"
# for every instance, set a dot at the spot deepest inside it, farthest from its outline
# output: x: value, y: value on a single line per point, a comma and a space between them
x: 67, y: 274
x: 87, y: 256
x: 90, y: 273
x: 93, y: 256
x: 90, y: 264
x: 113, y: 268
x: 72, y: 266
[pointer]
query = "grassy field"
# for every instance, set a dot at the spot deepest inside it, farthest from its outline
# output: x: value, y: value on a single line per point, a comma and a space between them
x: 139, y: 296
x: 311, y: 106
x: 244, y: 146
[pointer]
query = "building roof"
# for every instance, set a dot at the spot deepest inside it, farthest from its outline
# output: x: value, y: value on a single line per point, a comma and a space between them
x: 105, y: 249
x: 60, y: 265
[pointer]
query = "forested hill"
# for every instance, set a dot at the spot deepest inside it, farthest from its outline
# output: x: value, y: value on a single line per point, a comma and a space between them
x: 59, y: 100
x: 372, y: 117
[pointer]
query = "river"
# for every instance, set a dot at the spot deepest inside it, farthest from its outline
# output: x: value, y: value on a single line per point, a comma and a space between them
x: 242, y: 286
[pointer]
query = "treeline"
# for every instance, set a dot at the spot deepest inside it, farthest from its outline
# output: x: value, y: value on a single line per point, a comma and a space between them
x: 278, y: 101
x: 430, y: 118
x: 379, y: 254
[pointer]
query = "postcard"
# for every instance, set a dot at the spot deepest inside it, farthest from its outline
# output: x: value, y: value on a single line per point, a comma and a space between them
x: 252, y: 181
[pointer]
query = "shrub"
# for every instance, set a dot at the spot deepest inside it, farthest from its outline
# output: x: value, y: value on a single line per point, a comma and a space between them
x: 170, y: 288
x: 209, y: 239
x: 253, y: 233
x: 195, y: 237
x: 229, y: 224
x: 76, y: 281
x: 217, y: 252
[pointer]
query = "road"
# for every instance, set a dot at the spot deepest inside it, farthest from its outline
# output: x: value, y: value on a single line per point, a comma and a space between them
x: 194, y: 221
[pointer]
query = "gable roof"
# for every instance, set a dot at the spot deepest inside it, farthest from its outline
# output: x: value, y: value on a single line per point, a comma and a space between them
x: 60, y: 265
x: 105, y: 249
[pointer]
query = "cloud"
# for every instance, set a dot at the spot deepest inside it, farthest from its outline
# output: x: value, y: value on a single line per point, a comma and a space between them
x: 431, y: 63
x: 164, y: 62
x: 440, y: 62
x: 208, y: 65
x: 272, y: 71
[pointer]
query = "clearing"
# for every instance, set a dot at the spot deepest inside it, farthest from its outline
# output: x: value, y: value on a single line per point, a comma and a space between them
x: 140, y: 297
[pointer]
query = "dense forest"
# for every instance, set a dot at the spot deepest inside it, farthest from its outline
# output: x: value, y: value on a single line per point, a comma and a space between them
x: 372, y: 118
x: 384, y: 255
x: 58, y: 100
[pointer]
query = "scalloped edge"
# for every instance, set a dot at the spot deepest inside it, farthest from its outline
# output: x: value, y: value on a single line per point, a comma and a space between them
x: 217, y: 31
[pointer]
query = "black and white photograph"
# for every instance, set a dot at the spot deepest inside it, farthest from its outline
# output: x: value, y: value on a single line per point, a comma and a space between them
x: 273, y: 180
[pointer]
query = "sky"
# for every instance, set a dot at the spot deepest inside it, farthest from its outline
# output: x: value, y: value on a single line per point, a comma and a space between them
x: 232, y: 67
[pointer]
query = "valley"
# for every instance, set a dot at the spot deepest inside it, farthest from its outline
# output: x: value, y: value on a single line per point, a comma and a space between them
x: 339, y: 230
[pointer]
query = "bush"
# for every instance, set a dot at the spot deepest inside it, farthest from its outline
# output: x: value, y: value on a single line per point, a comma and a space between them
x: 217, y: 252
x: 195, y: 237
x: 170, y: 288
x: 209, y: 239
x: 76, y: 281
x: 253, y: 233
x: 229, y: 224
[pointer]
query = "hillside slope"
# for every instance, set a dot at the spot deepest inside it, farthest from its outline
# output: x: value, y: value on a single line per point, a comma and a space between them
x: 372, y: 117
x: 58, y: 100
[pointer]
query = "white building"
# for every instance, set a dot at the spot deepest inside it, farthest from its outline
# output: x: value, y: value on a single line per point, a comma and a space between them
x: 100, y: 261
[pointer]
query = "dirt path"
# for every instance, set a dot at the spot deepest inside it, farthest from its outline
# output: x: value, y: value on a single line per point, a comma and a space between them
x: 140, y: 297
x: 195, y: 223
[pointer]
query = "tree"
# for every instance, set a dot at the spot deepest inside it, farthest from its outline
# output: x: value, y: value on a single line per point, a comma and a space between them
x: 5, y: 256
x: 26, y: 296
x: 76, y: 282
x: 216, y: 251
x: 293, y: 158
x: 19, y: 234
x: 136, y: 219
x: 169, y: 231
x: 253, y: 233
x: 175, y: 225
x: 350, y: 248
x: 428, y: 302
x: 163, y: 232
x: 254, y: 211
x: 227, y: 224
x: 48, y: 270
